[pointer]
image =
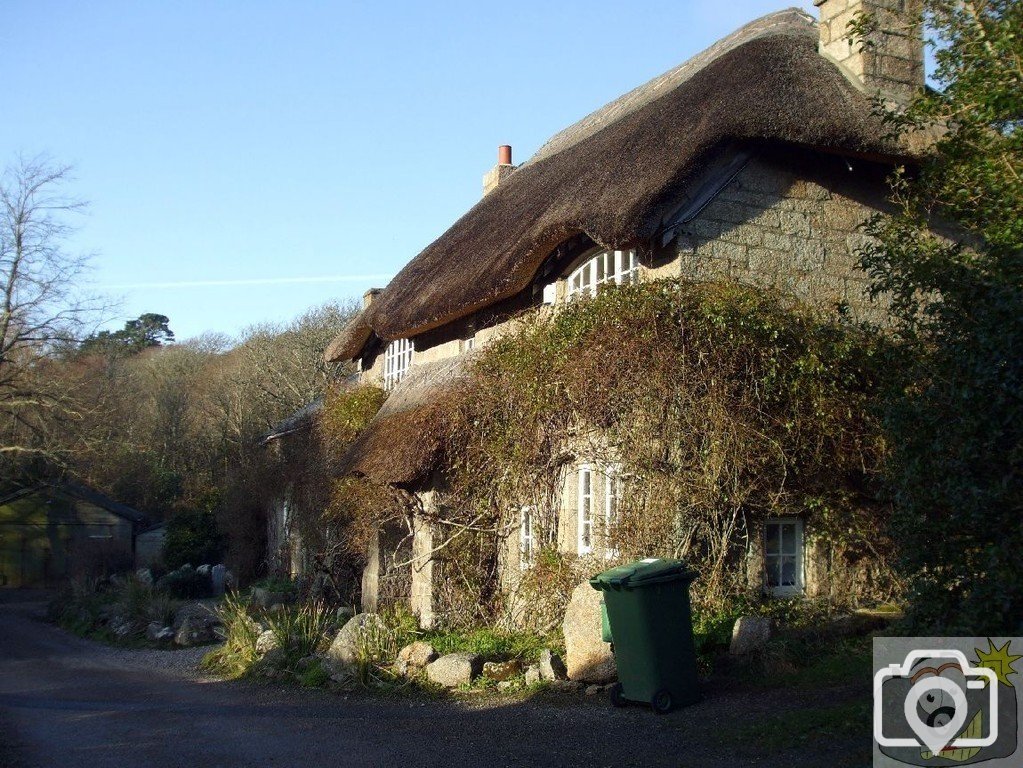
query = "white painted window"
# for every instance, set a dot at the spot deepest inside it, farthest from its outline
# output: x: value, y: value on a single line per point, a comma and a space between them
x: 550, y: 293
x: 397, y: 361
x: 783, y: 556
x: 612, y: 498
x: 618, y: 267
x: 527, y: 537
x: 585, y: 509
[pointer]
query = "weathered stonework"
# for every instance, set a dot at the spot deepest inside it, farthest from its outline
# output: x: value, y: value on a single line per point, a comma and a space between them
x: 770, y: 228
x: 893, y: 64
x: 423, y: 564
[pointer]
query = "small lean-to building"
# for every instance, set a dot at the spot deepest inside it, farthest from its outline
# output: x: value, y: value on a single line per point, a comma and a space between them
x: 286, y: 556
x: 757, y: 160
x: 53, y: 532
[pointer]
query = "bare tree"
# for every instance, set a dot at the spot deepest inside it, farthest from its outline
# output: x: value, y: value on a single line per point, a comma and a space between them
x: 284, y: 366
x: 41, y: 303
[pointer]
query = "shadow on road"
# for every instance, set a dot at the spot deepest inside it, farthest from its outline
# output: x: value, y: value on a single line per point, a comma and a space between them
x: 70, y: 702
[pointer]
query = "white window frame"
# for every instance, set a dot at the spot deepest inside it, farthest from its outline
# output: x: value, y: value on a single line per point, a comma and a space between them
x: 619, y: 267
x: 527, y: 537
x: 584, y: 506
x: 612, y: 503
x: 468, y: 344
x: 397, y: 361
x: 775, y: 560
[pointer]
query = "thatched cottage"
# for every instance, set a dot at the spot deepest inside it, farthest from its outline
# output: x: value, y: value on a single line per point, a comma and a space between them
x: 757, y: 160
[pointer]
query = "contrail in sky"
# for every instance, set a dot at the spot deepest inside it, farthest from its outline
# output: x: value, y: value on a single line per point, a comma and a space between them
x: 253, y: 281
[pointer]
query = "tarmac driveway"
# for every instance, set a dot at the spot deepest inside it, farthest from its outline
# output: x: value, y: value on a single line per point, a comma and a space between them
x: 67, y: 702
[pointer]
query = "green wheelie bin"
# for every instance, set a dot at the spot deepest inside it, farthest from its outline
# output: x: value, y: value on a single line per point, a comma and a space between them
x: 651, y: 625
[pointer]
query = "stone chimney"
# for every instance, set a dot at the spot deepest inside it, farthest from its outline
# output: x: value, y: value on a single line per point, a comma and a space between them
x: 500, y: 172
x: 889, y: 60
x: 368, y: 296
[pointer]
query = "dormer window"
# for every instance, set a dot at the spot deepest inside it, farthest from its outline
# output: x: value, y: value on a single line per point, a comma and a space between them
x: 397, y: 361
x: 616, y: 267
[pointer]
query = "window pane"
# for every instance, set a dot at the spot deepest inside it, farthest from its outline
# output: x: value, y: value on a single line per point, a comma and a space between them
x: 788, y: 538
x: 788, y: 572
x: 771, y: 539
x: 585, y: 509
x: 611, y: 492
x: 772, y: 566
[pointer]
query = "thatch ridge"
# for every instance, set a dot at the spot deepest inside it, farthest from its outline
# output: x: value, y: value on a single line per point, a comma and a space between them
x: 347, y: 344
x: 792, y: 21
x: 614, y: 174
x: 301, y: 419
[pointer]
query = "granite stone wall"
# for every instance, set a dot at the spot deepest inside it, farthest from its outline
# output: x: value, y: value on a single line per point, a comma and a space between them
x: 773, y: 228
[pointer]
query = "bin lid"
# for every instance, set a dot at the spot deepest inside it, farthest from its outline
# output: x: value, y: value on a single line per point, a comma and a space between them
x: 652, y: 570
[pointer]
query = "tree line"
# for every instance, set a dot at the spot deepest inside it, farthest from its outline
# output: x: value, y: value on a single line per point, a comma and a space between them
x: 169, y: 427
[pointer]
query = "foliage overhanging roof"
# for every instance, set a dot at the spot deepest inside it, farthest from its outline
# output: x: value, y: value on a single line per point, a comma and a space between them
x: 404, y: 440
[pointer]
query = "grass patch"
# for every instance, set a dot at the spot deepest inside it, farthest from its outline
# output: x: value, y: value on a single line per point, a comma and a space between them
x: 494, y: 643
x: 787, y: 663
x: 302, y: 630
x: 315, y: 676
x: 848, y: 661
x: 800, y: 728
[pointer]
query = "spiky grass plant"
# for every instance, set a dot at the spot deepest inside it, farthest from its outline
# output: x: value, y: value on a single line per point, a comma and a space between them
x: 238, y: 653
x: 301, y: 630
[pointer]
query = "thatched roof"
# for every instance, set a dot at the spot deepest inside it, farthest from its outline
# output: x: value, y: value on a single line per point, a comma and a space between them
x: 616, y: 174
x: 301, y: 419
x: 347, y: 344
x: 403, y: 442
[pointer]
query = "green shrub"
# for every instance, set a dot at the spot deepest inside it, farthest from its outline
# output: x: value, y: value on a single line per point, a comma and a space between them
x: 78, y: 606
x: 193, y: 537
x: 187, y: 584
x: 278, y: 584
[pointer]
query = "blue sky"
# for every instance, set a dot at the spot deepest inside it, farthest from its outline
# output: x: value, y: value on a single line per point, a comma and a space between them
x: 245, y: 161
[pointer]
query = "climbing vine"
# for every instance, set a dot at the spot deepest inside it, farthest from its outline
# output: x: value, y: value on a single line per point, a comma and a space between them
x: 720, y: 405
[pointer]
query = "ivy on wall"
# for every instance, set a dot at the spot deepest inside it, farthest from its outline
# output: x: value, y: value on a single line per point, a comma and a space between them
x: 721, y: 405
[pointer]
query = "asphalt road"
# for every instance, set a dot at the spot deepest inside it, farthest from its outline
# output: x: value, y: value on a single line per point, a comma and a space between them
x: 69, y: 703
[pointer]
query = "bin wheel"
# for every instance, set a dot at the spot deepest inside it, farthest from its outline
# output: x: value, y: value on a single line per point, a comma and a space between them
x: 617, y: 699
x: 662, y: 701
